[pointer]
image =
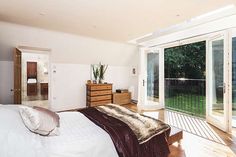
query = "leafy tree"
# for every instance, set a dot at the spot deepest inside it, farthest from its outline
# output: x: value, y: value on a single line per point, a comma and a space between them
x: 186, y: 61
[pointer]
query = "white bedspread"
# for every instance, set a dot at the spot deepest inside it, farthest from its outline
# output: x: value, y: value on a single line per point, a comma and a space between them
x: 15, y: 139
x: 79, y: 137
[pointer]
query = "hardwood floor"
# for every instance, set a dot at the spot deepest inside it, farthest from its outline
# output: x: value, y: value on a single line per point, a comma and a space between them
x: 195, y: 146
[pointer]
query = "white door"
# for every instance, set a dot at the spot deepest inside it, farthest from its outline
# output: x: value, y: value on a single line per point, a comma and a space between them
x: 150, y: 79
x: 217, y: 81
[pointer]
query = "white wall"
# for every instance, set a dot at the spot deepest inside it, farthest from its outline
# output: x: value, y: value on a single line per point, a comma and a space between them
x: 68, y: 83
x: 71, y: 55
x: 66, y: 48
x: 6, y: 82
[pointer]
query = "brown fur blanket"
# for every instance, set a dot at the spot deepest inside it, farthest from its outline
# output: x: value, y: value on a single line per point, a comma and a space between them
x: 143, y: 127
x: 135, y: 142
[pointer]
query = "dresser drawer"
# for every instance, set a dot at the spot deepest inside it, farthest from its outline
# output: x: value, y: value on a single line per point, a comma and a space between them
x: 97, y: 103
x: 100, y: 87
x: 99, y: 98
x: 99, y: 93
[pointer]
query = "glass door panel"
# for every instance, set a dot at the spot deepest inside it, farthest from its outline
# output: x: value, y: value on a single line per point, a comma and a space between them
x: 217, y: 79
x: 153, y: 77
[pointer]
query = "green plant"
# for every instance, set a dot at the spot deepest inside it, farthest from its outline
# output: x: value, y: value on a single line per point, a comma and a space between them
x: 102, y: 72
x: 96, y: 71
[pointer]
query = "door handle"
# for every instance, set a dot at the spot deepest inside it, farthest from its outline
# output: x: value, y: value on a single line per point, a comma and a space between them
x: 143, y: 82
x: 15, y: 90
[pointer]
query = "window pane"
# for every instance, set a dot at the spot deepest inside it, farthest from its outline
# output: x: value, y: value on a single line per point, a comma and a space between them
x: 153, y: 77
x: 217, y: 77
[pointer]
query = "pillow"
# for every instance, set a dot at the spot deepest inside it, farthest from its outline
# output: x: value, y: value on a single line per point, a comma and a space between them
x: 15, y: 139
x: 39, y: 121
x: 55, y: 116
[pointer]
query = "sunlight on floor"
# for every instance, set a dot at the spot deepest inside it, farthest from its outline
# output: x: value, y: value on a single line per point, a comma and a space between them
x: 189, y: 124
x: 192, y: 125
x: 199, y: 139
x: 204, y: 148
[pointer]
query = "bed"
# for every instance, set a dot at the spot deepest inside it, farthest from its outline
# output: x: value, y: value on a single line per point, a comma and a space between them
x: 81, y: 135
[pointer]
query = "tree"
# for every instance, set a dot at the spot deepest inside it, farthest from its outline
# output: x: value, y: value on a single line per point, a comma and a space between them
x: 186, y: 61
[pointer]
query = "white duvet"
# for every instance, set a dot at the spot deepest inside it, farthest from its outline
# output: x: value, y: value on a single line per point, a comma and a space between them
x: 79, y: 137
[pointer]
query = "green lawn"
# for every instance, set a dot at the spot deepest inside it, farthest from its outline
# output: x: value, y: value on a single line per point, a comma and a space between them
x: 190, y: 104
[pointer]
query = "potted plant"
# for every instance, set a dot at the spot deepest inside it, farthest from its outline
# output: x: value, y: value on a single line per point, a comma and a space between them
x: 96, y: 71
x: 102, y: 68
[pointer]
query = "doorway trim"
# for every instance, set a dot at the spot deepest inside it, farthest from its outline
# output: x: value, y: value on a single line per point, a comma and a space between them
x: 142, y: 99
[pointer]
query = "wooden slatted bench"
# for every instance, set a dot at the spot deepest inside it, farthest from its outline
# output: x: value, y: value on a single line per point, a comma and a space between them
x: 175, y: 135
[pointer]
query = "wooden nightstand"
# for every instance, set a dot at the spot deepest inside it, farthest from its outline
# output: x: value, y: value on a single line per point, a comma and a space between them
x: 122, y: 98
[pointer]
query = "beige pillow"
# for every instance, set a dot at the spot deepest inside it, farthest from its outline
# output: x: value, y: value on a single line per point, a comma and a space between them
x: 39, y: 121
x: 55, y: 116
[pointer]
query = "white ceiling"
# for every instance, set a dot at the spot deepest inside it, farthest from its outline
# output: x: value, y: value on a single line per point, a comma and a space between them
x: 117, y: 20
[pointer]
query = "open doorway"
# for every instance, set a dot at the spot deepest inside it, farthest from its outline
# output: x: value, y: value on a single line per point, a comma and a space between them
x: 185, y: 78
x: 35, y: 79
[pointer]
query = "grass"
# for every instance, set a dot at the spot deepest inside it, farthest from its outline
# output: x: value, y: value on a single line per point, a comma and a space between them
x: 190, y: 104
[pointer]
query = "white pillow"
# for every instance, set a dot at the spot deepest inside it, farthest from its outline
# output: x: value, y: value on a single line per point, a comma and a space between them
x: 38, y: 122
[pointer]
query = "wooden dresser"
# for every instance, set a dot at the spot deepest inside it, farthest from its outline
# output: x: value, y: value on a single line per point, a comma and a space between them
x: 98, y: 94
x: 122, y: 98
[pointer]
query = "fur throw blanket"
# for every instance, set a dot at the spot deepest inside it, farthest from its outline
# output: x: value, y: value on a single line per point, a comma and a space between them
x: 143, y: 127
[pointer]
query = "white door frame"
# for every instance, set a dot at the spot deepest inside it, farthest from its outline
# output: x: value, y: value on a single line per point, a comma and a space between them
x: 222, y: 123
x: 228, y: 68
x: 143, y: 103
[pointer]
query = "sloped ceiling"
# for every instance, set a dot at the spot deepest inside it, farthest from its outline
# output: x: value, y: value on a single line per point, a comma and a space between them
x: 116, y: 20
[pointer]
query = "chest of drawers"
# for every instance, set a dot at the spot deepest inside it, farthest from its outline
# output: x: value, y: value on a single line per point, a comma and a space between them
x: 98, y: 94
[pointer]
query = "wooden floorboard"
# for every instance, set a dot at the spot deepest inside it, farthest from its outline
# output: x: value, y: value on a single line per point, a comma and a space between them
x: 195, y: 146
